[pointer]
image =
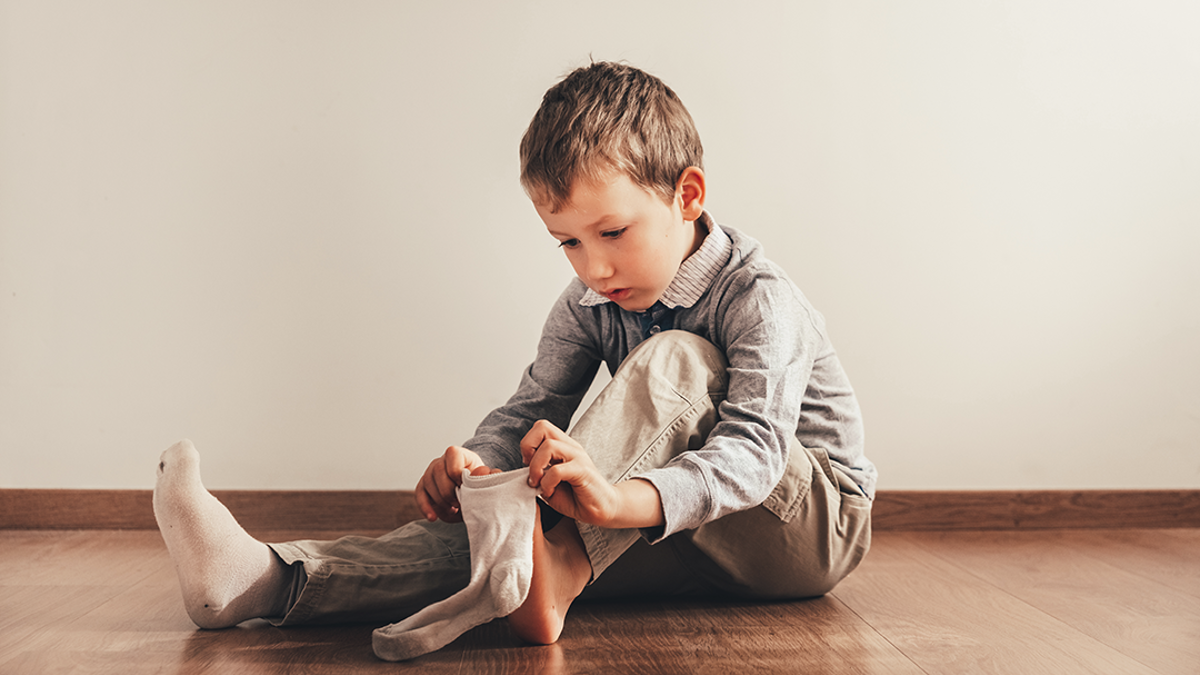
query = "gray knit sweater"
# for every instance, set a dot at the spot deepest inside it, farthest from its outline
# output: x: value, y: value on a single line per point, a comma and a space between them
x: 784, y: 380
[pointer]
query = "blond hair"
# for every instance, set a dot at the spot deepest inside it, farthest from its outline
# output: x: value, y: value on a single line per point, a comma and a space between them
x: 604, y: 117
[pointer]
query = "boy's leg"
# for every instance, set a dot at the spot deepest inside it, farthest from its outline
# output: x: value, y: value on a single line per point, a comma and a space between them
x: 661, y: 402
x: 810, y: 533
x: 227, y: 576
x: 374, y: 579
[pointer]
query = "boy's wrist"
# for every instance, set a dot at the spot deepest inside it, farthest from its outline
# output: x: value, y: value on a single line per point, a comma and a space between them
x: 639, y: 505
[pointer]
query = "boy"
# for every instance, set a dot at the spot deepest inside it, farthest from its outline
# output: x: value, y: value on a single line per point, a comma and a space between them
x: 725, y: 458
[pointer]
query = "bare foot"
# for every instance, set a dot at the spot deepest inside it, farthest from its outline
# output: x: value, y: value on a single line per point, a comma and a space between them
x: 561, y: 571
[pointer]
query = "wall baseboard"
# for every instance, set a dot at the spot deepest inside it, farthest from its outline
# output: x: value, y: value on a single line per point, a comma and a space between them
x: 254, y: 509
x: 357, y: 510
x: 1035, y: 509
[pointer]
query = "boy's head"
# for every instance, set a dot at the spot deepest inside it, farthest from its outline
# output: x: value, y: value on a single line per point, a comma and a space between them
x: 603, y: 118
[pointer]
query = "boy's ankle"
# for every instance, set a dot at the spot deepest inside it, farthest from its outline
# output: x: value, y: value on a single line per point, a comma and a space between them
x: 565, y: 535
x: 561, y: 571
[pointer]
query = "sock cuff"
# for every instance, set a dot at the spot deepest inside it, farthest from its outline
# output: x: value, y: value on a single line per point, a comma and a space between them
x: 495, y: 479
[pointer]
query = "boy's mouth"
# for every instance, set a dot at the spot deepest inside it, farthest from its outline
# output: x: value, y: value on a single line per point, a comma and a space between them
x: 618, y: 294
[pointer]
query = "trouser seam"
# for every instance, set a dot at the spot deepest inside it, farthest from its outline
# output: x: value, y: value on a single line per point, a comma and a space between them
x: 596, y: 545
x: 667, y: 433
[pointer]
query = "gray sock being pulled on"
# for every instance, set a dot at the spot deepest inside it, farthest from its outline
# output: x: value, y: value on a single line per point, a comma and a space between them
x: 499, y: 511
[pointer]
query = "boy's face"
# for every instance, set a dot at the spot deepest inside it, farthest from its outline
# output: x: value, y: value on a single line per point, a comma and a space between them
x: 624, y: 242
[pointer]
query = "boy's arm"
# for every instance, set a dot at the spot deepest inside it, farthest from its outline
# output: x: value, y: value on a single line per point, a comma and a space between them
x: 551, y: 387
x: 772, y: 339
x: 572, y: 485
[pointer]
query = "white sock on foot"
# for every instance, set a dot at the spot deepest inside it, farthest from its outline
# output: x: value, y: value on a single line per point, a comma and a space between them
x: 226, y: 575
x: 499, y: 511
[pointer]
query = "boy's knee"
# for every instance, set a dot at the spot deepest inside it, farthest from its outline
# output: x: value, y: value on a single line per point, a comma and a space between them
x: 679, y: 356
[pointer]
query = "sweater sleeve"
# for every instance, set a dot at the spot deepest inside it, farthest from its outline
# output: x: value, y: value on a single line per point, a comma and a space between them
x: 771, y: 338
x: 551, y: 387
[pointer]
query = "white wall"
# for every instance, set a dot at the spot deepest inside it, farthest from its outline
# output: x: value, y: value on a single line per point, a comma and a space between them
x: 292, y: 231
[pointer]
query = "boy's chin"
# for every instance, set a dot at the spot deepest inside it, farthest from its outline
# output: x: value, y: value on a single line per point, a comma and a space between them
x: 633, y: 304
x: 627, y: 300
x: 635, y: 307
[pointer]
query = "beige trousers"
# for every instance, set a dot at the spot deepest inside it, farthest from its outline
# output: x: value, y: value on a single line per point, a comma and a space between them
x: 810, y: 533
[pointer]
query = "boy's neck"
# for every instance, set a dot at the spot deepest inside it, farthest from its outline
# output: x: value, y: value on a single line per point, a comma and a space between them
x: 700, y: 233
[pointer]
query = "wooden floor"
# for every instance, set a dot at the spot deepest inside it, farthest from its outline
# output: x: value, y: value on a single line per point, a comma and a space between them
x: 1050, y: 601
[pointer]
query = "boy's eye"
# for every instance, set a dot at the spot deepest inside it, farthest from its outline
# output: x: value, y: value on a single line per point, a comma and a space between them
x: 613, y: 234
x: 569, y: 243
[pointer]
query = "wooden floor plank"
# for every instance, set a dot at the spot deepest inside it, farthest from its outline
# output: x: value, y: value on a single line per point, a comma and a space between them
x: 83, y: 558
x: 819, y: 635
x: 29, y: 611
x: 1138, y: 616
x: 100, y: 602
x: 948, y: 621
x: 1169, y: 556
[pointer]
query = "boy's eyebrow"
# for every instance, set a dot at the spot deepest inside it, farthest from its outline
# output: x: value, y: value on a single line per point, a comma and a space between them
x: 598, y: 223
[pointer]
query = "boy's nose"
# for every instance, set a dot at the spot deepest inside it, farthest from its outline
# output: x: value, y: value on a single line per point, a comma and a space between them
x: 599, y: 267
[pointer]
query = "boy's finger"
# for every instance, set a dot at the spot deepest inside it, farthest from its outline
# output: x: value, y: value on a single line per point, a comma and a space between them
x: 531, y: 442
x: 558, y: 489
x: 551, y: 453
x: 445, y: 489
x: 433, y: 509
x: 426, y: 506
x: 455, y: 460
x: 419, y: 499
x: 538, y: 461
x: 550, y: 481
x: 539, y: 434
x: 429, y: 485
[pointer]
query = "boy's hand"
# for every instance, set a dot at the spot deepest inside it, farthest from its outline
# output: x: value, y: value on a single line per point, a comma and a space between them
x: 569, y: 481
x: 435, y: 492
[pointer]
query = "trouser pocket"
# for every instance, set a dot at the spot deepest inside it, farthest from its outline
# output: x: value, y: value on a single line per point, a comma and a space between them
x: 789, y: 494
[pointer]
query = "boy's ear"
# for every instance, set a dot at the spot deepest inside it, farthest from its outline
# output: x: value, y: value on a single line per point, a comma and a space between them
x: 690, y: 189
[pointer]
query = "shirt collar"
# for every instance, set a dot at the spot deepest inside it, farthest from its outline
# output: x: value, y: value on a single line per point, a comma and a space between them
x: 694, y: 275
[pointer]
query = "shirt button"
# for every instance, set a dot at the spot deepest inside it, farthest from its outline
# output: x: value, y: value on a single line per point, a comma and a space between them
x: 655, y: 330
